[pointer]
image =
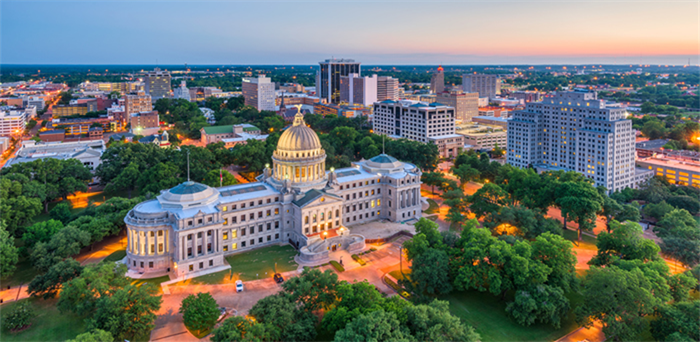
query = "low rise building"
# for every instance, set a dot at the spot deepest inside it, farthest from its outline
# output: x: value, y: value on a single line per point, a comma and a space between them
x: 87, y: 152
x: 676, y: 171
x: 214, y: 134
x: 491, y: 121
x: 486, y: 140
x: 78, y: 109
x: 161, y: 140
x: 137, y: 103
x: 145, y: 123
x: 466, y: 105
x: 12, y: 122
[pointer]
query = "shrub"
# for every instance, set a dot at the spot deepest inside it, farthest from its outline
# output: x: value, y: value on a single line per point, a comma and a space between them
x: 19, y: 318
x: 338, y: 267
x: 359, y: 260
x: 373, y: 249
x: 397, y: 288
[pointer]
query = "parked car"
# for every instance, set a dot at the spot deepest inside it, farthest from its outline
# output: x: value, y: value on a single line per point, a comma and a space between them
x: 239, y: 286
x: 278, y: 278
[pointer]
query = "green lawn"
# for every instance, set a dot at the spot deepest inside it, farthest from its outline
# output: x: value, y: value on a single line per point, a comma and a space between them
x: 254, y: 264
x: 487, y: 314
x: 116, y: 256
x: 24, y: 273
x: 433, y: 208
x: 587, y: 243
x: 155, y: 281
x: 49, y: 324
x: 398, y: 275
x: 250, y: 266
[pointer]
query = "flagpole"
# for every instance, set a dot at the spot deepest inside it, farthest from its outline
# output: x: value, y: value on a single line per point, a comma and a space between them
x: 221, y: 178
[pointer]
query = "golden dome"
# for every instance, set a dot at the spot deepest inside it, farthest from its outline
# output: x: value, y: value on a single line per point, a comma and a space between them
x: 299, y: 137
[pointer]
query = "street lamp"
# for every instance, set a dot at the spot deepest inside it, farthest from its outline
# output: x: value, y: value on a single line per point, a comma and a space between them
x: 325, y: 235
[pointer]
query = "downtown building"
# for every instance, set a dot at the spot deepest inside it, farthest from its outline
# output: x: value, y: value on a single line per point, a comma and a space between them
x: 189, y: 230
x: 157, y: 83
x: 259, y: 92
x: 466, y: 105
x: 328, y: 77
x: 387, y: 88
x: 418, y: 121
x: 485, y: 84
x: 574, y: 131
x: 437, y: 81
x: 358, y: 90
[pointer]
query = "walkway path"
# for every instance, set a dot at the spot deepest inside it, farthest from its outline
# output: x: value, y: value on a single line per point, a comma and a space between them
x: 102, y: 250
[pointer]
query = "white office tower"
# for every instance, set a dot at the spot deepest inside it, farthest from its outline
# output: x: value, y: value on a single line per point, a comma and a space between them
x: 574, y: 131
x: 387, y: 88
x: 259, y: 92
x: 358, y: 90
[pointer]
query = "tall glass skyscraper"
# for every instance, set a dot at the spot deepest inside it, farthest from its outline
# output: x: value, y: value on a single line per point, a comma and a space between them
x: 328, y: 77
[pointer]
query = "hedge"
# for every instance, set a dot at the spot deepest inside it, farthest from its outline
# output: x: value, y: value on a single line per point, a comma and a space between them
x: 358, y: 259
x: 338, y: 267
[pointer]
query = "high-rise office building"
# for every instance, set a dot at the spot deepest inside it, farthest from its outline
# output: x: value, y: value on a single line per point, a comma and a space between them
x: 157, y: 83
x: 575, y: 131
x: 428, y: 123
x: 358, y: 90
x: 137, y: 102
x: 484, y: 84
x: 387, y: 88
x: 328, y: 77
x: 437, y: 81
x: 259, y: 92
x: 466, y: 105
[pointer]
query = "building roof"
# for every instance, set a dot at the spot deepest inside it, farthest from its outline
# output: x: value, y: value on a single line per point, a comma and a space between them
x: 493, y: 118
x: 53, y: 131
x: 299, y: 137
x: 311, y: 196
x: 651, y: 144
x: 218, y: 129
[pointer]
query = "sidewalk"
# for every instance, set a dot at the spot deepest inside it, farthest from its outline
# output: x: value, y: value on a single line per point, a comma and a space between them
x: 592, y: 334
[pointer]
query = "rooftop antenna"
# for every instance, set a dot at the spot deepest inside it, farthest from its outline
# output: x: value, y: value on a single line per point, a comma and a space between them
x: 188, y: 165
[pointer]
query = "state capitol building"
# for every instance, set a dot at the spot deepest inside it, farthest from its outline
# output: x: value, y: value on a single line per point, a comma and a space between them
x: 191, y: 228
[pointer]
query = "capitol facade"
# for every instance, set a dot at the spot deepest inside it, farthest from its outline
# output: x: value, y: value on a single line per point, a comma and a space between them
x: 189, y: 229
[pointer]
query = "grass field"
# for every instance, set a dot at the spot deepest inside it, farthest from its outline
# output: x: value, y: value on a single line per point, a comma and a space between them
x: 24, y: 273
x: 587, y: 243
x: 116, y: 256
x: 433, y: 208
x: 49, y: 324
x: 487, y: 314
x: 256, y: 264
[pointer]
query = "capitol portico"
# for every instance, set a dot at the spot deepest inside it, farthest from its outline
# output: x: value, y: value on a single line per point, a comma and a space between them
x: 187, y: 230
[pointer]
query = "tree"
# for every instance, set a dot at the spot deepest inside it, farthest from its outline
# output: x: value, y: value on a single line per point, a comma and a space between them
x: 657, y: 210
x: 200, y: 312
x: 253, y: 154
x: 629, y: 213
x: 97, y: 227
x: 354, y: 299
x: 433, y: 322
x: 581, y: 202
x: 654, y: 129
x: 619, y: 299
x: 48, y: 284
x: 81, y: 294
x: 465, y: 173
x: 488, y: 200
x: 8, y: 252
x: 61, y: 212
x: 126, y: 180
x: 539, y: 303
x: 433, y: 179
x: 430, y: 273
x: 678, y: 223
x: 19, y: 318
x: 128, y: 313
x: 374, y: 326
x: 610, y: 209
x: 216, y: 178
x: 692, y: 205
x: 681, y: 284
x: 557, y: 255
x: 65, y: 243
x: 283, y: 319
x: 41, y: 232
x: 497, y: 151
x: 96, y: 335
x: 677, y: 322
x: 626, y: 243
x: 684, y: 250
x: 159, y: 177
x: 313, y: 288
x: 236, y: 328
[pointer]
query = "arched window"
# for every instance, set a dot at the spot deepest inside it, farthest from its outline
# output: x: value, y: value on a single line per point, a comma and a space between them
x: 337, y: 213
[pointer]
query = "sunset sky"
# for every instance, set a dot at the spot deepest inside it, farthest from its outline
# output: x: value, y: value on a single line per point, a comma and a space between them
x: 287, y: 32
